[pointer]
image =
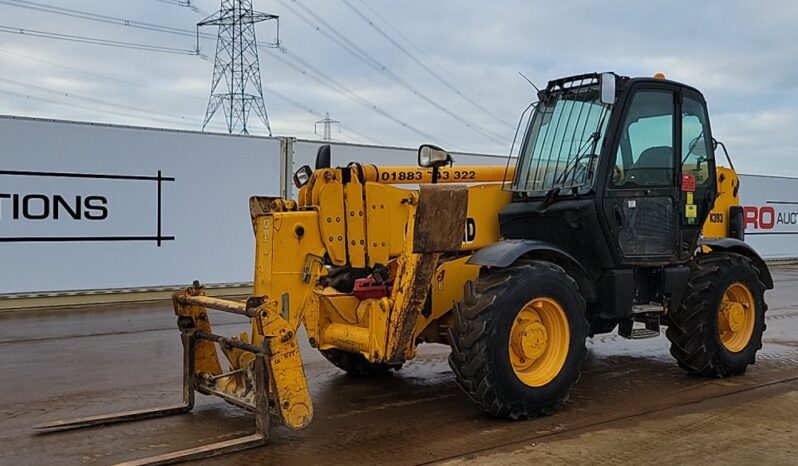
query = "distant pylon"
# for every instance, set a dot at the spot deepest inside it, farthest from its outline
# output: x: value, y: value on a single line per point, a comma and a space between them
x: 327, y: 127
x: 237, y: 65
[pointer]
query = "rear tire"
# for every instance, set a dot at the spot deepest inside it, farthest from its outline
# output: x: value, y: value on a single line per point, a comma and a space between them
x: 704, y: 340
x: 356, y: 365
x: 488, y: 367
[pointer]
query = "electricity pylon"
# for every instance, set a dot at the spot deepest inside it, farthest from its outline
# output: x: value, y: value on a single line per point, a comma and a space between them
x: 237, y: 64
x: 327, y: 127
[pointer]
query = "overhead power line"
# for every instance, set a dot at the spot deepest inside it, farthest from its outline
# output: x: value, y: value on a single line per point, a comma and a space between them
x: 420, y: 51
x: 358, y: 52
x: 96, y: 75
x: 423, y: 65
x: 105, y: 103
x: 94, y: 40
x: 302, y: 67
x: 45, y: 8
x: 273, y: 92
x: 185, y: 4
x: 61, y: 93
x: 325, y: 80
x: 304, y: 107
x: 73, y: 105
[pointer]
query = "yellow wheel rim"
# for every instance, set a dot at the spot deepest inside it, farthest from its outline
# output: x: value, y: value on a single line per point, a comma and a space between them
x: 736, y: 317
x: 539, y: 341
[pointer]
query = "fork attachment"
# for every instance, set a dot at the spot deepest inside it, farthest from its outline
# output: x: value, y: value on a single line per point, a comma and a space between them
x: 195, y: 343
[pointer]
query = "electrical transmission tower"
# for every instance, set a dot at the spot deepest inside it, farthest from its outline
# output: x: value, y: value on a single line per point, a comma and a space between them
x: 237, y: 65
x: 327, y: 125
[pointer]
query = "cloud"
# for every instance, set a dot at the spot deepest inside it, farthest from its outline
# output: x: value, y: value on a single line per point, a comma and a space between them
x: 742, y: 55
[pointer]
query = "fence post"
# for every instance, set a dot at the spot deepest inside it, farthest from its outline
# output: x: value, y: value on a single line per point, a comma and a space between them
x: 286, y: 166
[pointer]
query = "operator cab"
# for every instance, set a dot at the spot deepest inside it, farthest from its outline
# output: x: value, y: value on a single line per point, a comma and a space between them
x: 617, y: 174
x: 618, y: 171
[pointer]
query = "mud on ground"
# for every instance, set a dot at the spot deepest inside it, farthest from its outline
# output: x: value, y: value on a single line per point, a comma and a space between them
x: 633, y: 405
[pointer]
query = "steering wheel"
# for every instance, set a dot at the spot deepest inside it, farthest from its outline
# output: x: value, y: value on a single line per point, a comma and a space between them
x: 582, y: 169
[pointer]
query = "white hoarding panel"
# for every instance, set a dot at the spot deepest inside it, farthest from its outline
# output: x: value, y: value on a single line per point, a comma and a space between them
x: 86, y: 206
x: 97, y: 207
x: 770, y: 208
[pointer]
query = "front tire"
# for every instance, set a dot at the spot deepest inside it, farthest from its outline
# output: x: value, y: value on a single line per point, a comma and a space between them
x: 518, y: 339
x: 717, y: 330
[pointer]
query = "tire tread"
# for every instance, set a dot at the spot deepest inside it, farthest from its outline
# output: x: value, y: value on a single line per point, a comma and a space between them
x: 691, y: 330
x: 471, y: 335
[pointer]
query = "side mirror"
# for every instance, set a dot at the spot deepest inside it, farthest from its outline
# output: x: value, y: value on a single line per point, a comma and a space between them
x: 430, y: 156
x: 302, y: 176
x: 607, y: 88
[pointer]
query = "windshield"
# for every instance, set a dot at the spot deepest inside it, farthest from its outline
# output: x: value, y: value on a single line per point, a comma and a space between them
x: 562, y: 140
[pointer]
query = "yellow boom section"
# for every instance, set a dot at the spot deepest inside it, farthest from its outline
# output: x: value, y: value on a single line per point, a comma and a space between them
x: 419, y: 175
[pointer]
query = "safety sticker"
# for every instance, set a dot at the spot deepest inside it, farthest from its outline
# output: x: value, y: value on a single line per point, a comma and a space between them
x: 688, y: 182
x: 691, y: 211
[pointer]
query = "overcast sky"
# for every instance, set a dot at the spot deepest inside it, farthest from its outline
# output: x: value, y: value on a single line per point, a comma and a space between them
x: 743, y: 55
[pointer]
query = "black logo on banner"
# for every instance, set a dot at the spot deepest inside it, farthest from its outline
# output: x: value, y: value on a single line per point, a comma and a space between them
x: 90, y: 208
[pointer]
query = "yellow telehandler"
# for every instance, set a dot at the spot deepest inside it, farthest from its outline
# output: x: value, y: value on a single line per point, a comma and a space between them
x: 614, y: 215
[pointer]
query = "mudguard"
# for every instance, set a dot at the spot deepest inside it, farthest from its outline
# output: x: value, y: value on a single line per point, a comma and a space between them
x: 742, y: 248
x: 505, y: 253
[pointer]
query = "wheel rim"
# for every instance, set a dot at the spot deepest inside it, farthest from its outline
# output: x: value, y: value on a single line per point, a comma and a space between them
x: 736, y: 317
x: 539, y: 341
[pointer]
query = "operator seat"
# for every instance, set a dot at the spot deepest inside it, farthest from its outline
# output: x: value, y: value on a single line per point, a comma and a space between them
x: 653, y: 168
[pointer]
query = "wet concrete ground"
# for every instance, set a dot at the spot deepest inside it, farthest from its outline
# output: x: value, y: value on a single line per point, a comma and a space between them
x: 632, y: 405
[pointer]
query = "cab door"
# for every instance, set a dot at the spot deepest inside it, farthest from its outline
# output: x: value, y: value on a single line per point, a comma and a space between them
x: 641, y: 196
x: 698, y: 179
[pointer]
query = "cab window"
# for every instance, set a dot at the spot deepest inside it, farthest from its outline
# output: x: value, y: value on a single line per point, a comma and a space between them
x: 645, y: 155
x: 696, y: 147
